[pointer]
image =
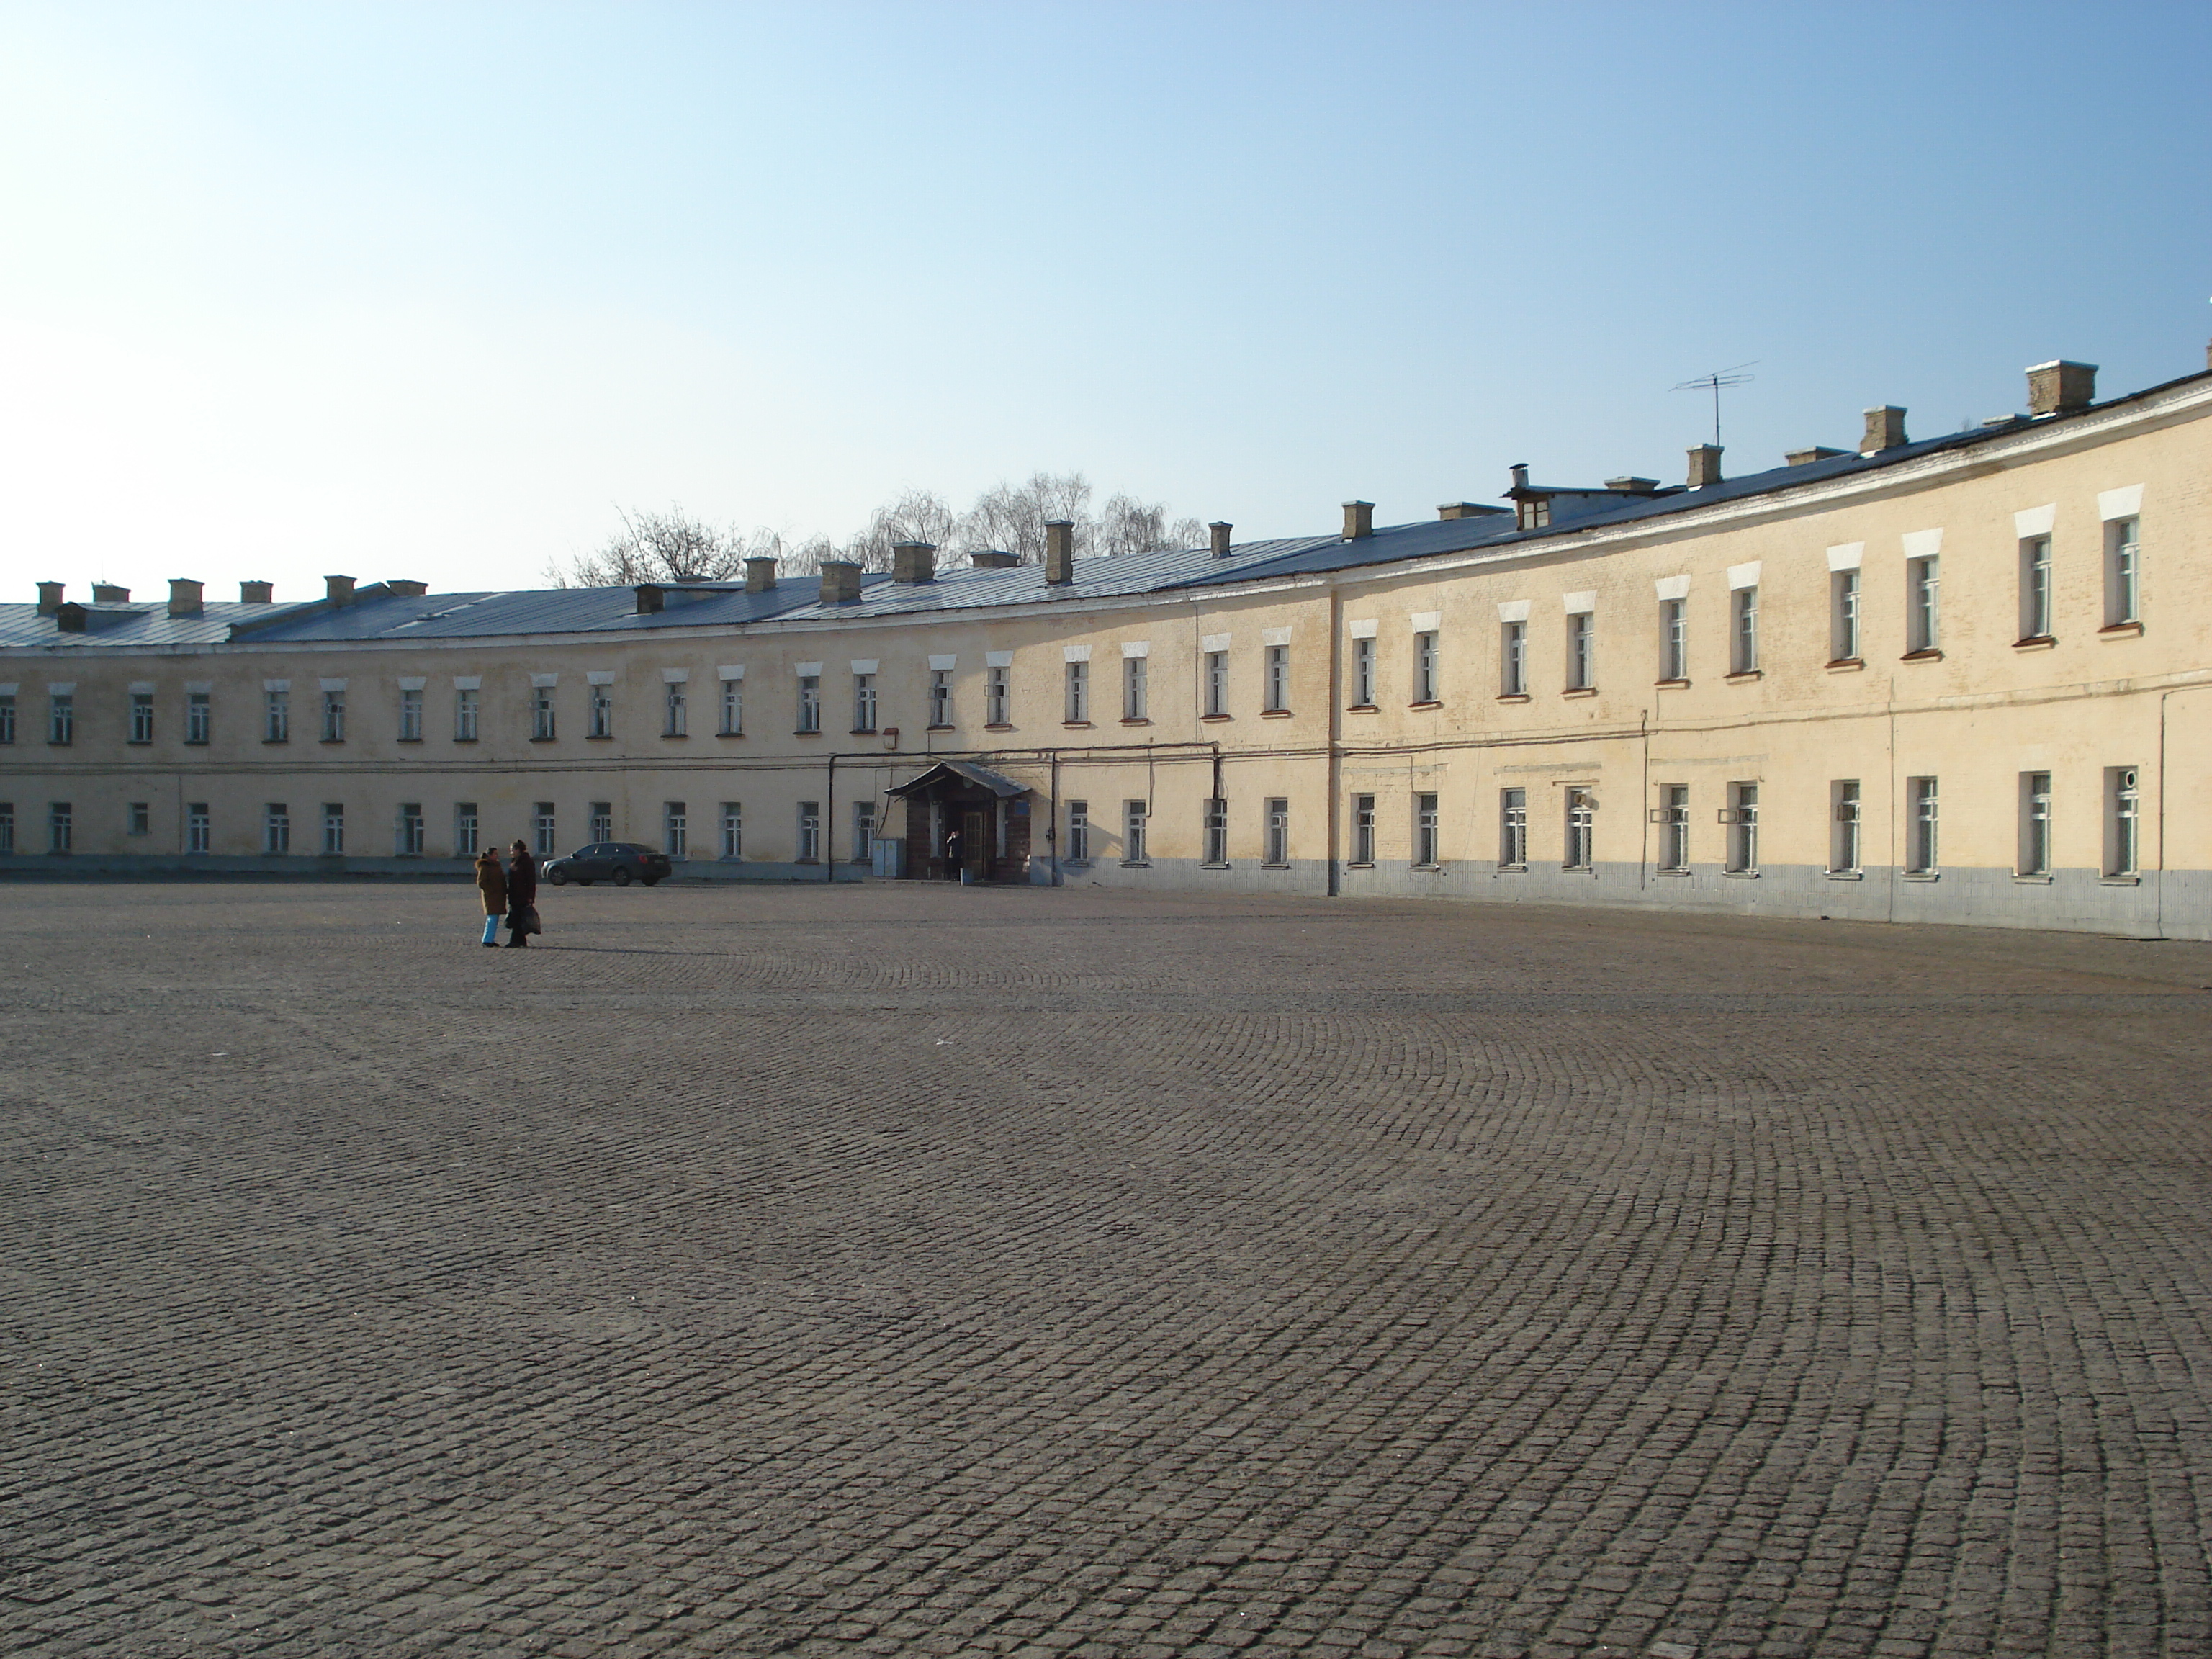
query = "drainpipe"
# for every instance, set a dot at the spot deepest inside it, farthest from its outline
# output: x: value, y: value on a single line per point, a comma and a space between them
x: 830, y: 822
x: 1334, y: 785
x: 1052, y: 824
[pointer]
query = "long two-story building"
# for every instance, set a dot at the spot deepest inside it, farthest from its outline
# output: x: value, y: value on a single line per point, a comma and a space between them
x: 1966, y: 679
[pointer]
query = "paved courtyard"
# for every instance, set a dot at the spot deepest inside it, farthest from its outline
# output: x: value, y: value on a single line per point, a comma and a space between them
x: 905, y: 1270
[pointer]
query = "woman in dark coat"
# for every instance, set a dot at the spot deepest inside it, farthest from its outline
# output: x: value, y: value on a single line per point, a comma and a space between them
x: 521, y: 897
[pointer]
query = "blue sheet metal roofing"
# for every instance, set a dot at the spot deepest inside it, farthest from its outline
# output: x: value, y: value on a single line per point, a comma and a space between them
x: 382, y: 616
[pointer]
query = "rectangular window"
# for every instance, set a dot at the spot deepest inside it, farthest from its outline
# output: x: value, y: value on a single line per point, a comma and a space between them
x: 733, y: 831
x: 734, y: 709
x: 1216, y: 847
x: 810, y: 832
x: 1133, y: 815
x: 599, y: 713
x: 1513, y: 829
x: 1276, y: 671
x: 1582, y: 824
x: 1743, y: 816
x: 675, y: 833
x: 1674, y: 639
x: 1920, y: 849
x: 1922, y: 615
x: 1428, y: 845
x: 1078, y: 832
x: 1674, y: 826
x: 465, y: 715
x: 600, y: 820
x: 333, y: 826
x: 276, y: 828
x: 410, y: 829
x: 7, y: 826
x: 411, y: 715
x: 141, y: 818
x: 1217, y: 683
x: 142, y: 717
x: 1844, y: 616
x: 864, y: 831
x: 675, y: 710
x: 543, y: 828
x: 466, y: 828
x: 1278, y: 830
x: 2035, y: 612
x: 541, y: 728
x: 1582, y: 645
x: 1136, y: 704
x: 198, y: 834
x: 864, y: 702
x: 1844, y: 842
x: 2124, y: 840
x: 333, y: 717
x: 2034, y: 823
x: 1513, y: 660
x: 1362, y: 829
x: 2122, y: 573
x: 1079, y: 694
x: 61, y: 718
x: 1363, y: 674
x: 275, y: 717
x: 809, y: 702
x: 996, y: 699
x: 61, y: 827
x: 1743, y: 634
x: 940, y: 696
x: 1425, y: 667
x: 7, y: 718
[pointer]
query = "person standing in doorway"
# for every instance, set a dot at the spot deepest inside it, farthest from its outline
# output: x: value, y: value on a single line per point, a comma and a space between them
x: 521, y: 898
x: 491, y: 888
x: 956, y: 865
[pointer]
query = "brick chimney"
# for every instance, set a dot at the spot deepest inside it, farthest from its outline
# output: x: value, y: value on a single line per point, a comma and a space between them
x: 1806, y: 457
x: 50, y: 597
x: 184, y: 597
x: 2060, y: 387
x: 109, y: 593
x: 1219, y: 529
x: 1704, y: 466
x: 760, y: 575
x: 1885, y: 429
x: 1358, y: 520
x: 992, y: 558
x: 339, y: 590
x: 1448, y: 510
x: 256, y: 592
x: 840, y: 582
x: 1059, y: 551
x: 914, y: 562
x: 413, y: 590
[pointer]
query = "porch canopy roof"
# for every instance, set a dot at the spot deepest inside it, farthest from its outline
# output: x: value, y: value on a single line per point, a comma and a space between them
x: 952, y: 771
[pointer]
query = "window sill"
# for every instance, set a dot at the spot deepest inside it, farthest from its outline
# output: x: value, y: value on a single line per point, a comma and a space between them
x: 1845, y: 664
x: 806, y: 861
x: 1206, y: 718
x: 861, y: 732
x: 1513, y: 696
x: 1670, y: 873
x: 816, y: 733
x: 1136, y: 864
x: 1742, y: 674
x: 1274, y: 713
x: 1576, y: 870
x: 941, y: 725
x: 1076, y: 725
x: 1845, y: 875
x: 407, y: 741
x: 1216, y: 866
x: 545, y: 740
x: 1670, y: 685
x: 1134, y: 720
x: 1741, y: 875
x: 139, y: 743
x: 1580, y: 691
x: 674, y: 737
x: 1361, y: 708
x: 1274, y: 867
x: 328, y: 742
x: 60, y: 742
x: 1929, y: 654
x: 1075, y: 864
x: 2034, y: 642
x: 2031, y: 881
x: 2119, y: 881
x: 1512, y: 869
x: 729, y: 734
x: 1427, y: 703
x: 265, y: 742
x: 201, y: 743
x: 1355, y: 864
x: 1921, y: 875
x: 1424, y: 869
x: 999, y: 726
x: 2126, y: 630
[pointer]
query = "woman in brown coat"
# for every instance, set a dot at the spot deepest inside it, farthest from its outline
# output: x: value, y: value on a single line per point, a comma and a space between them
x: 491, y: 887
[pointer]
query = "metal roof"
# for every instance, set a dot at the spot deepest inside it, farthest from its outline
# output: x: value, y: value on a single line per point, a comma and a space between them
x: 997, y: 782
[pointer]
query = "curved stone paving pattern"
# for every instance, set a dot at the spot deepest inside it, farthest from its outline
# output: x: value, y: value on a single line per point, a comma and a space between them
x: 897, y: 1270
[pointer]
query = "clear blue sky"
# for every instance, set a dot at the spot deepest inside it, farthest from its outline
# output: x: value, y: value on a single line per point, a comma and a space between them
x: 430, y: 291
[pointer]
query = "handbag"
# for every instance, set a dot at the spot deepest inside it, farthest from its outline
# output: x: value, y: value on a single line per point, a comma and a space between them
x: 530, y: 922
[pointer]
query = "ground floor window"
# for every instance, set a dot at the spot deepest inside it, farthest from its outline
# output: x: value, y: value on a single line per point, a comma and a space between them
x: 6, y: 826
x: 197, y: 831
x: 603, y: 820
x: 1513, y: 829
x: 675, y: 836
x: 864, y: 831
x: 1582, y: 824
x: 2035, y: 822
x: 1920, y: 846
x: 544, y: 827
x: 141, y: 818
x: 1427, y: 840
x: 1078, y: 832
x: 1362, y: 829
x: 2124, y: 850
x: 1216, y: 849
x: 333, y: 826
x: 1844, y: 843
x: 734, y: 828
x: 464, y: 829
x: 810, y: 832
x: 410, y: 829
x: 275, y: 827
x: 1674, y: 825
x: 1278, y: 830
x: 1743, y: 828
x: 1134, y: 815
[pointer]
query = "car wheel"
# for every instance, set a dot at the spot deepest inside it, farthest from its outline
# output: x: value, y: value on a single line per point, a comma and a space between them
x: 557, y: 876
x: 622, y: 878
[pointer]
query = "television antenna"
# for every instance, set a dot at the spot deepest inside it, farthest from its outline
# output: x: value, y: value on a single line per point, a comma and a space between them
x: 1713, y: 382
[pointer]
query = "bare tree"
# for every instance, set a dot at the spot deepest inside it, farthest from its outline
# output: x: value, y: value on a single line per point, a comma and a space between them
x: 919, y: 515
x: 1126, y: 524
x: 656, y: 547
x: 1012, y: 517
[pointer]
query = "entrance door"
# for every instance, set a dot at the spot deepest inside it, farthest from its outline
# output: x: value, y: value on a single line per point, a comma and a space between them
x: 975, y: 839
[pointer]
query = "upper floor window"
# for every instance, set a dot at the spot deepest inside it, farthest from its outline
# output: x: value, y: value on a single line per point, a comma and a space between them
x: 1923, y: 613
x: 2122, y: 573
x: 809, y: 702
x: 1136, y: 702
x: 1276, y: 673
x: 733, y: 707
x: 142, y: 717
x: 7, y: 717
x: 199, y: 716
x: 1844, y: 615
x: 411, y: 715
x: 276, y: 716
x: 1513, y: 660
x: 2035, y: 608
x: 1674, y: 639
x: 1078, y: 706
x: 1217, y: 683
x: 864, y: 702
x: 599, y: 713
x: 997, y: 700
x: 675, y: 710
x: 1424, y: 667
x: 61, y: 717
x: 541, y: 714
x: 464, y: 714
x: 1581, y: 651
x: 1363, y: 674
x: 1743, y: 634
x: 333, y: 716
x: 940, y: 696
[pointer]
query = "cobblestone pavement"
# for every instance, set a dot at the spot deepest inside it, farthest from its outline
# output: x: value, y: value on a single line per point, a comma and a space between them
x: 909, y: 1270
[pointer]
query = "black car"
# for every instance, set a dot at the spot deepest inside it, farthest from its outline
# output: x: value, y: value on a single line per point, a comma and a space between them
x: 620, y: 862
